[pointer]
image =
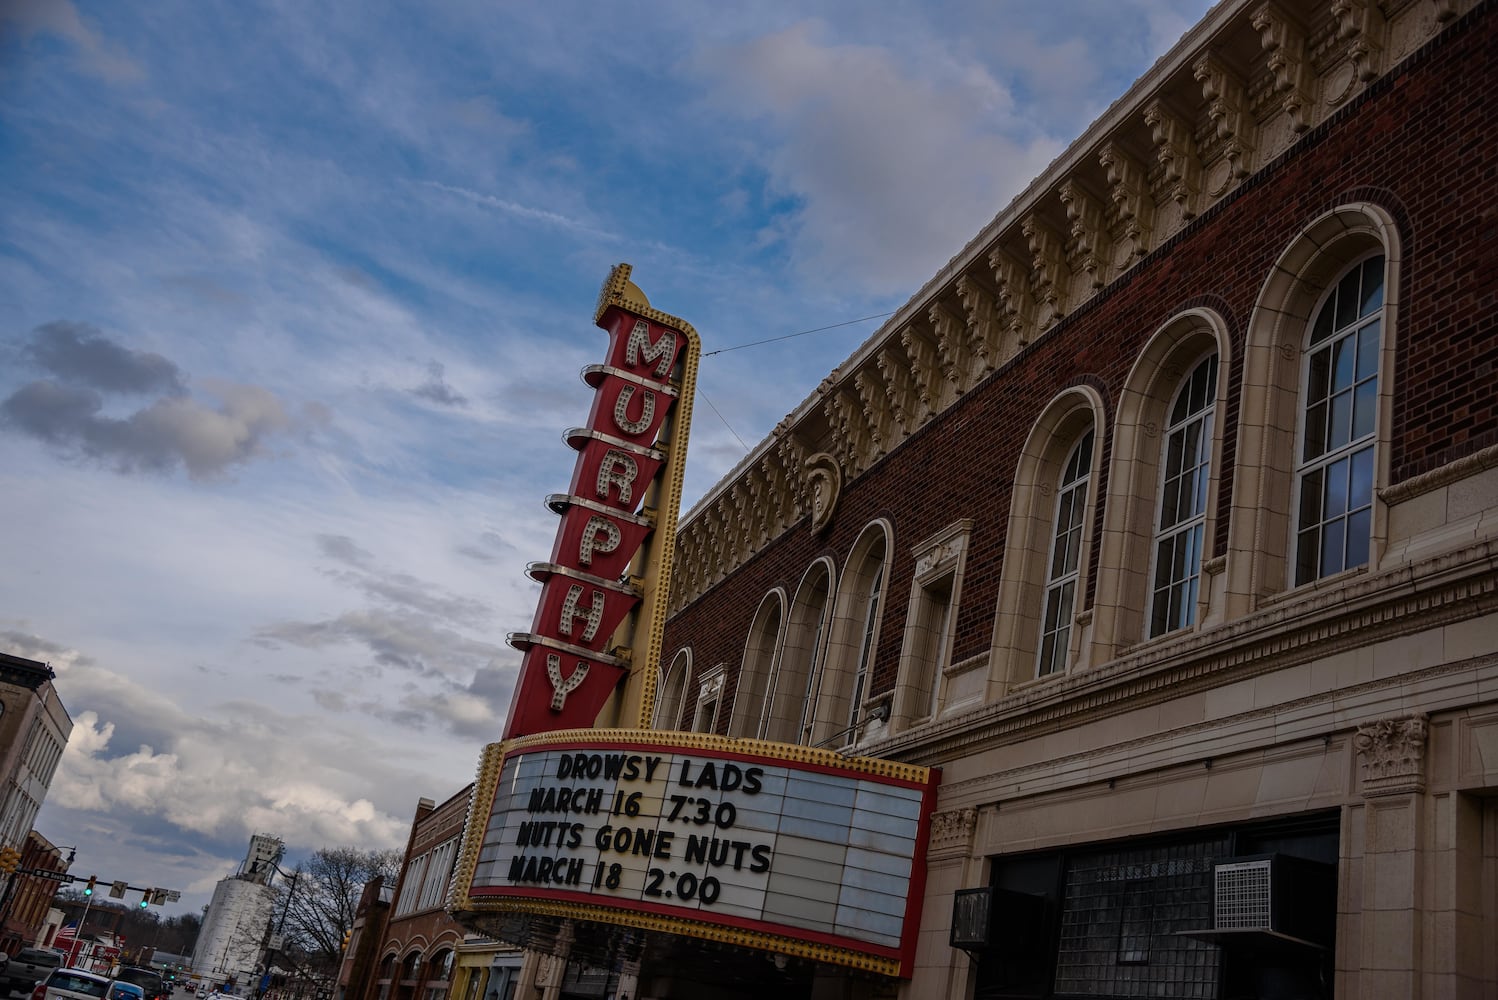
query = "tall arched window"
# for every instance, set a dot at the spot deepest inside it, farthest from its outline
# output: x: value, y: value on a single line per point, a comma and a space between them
x: 673, y: 691
x: 751, y: 697
x: 1180, y: 527
x: 1318, y: 363
x: 803, y: 650
x: 869, y: 631
x: 841, y: 683
x: 1339, y: 404
x: 1066, y: 551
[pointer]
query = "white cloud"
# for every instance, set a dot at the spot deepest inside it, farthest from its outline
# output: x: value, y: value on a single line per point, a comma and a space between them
x: 889, y: 173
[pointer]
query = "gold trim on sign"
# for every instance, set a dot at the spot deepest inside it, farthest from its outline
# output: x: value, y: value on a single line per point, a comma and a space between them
x: 789, y: 752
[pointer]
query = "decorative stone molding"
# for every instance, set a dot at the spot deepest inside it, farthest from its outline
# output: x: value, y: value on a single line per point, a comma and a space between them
x: 1090, y: 250
x: 1391, y: 755
x: 1180, y: 178
x: 1285, y: 48
x: 826, y: 485
x: 1361, y: 25
x: 899, y: 387
x: 924, y: 370
x: 952, y: 832
x: 1133, y: 209
x: 1016, y: 302
x: 983, y: 324
x: 1050, y: 275
x: 1231, y: 145
x: 877, y: 411
x: 951, y: 344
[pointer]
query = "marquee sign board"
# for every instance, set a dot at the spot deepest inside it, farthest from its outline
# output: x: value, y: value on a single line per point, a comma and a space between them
x: 795, y: 850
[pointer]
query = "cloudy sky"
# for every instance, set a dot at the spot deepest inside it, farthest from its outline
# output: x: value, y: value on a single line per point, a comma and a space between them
x: 293, y: 297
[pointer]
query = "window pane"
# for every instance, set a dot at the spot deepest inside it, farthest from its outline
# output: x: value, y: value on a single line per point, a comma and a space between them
x: 1310, y: 498
x: 1360, y: 488
x: 1307, y: 550
x: 1331, y: 546
x: 1340, y: 431
x: 1335, y: 491
x: 1343, y: 352
x: 1323, y: 328
x: 1073, y: 550
x: 1358, y: 530
x: 1315, y: 432
x: 1318, y: 375
x: 1347, y: 298
x: 1373, y: 285
x: 1368, y: 351
x: 1170, y: 503
x: 1364, y: 406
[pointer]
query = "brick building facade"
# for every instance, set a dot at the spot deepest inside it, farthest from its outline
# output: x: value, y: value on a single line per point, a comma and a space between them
x: 1164, y: 520
x: 404, y: 945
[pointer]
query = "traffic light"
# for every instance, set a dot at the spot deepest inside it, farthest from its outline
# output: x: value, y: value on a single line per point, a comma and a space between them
x: 346, y: 935
x: 10, y: 859
x: 88, y: 888
x: 145, y: 898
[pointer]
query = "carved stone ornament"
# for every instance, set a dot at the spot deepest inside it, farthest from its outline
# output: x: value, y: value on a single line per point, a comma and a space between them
x: 952, y: 831
x: 1391, y: 755
x: 824, y: 480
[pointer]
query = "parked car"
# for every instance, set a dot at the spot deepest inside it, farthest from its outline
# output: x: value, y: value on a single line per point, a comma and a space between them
x: 72, y: 984
x: 28, y: 967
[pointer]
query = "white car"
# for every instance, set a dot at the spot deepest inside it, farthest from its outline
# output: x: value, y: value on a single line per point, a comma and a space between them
x: 72, y: 984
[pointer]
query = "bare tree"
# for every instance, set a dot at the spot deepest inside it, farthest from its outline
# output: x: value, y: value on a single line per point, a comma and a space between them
x: 315, y: 913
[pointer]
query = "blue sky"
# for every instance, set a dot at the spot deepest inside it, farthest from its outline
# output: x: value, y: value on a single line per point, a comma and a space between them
x: 293, y: 297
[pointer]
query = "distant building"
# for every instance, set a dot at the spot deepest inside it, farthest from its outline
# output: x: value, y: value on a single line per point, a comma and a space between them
x: 405, y: 946
x: 34, y: 728
x: 231, y: 944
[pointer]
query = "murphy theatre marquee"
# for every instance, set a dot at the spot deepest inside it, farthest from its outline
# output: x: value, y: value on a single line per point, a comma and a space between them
x: 593, y: 837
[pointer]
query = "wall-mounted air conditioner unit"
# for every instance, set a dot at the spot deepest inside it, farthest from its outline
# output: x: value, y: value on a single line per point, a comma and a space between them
x: 1272, y: 897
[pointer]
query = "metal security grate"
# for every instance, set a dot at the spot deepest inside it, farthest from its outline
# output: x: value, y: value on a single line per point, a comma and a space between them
x: 1241, y: 895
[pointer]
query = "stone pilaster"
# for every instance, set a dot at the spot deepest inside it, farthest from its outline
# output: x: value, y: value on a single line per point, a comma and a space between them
x: 1391, y: 766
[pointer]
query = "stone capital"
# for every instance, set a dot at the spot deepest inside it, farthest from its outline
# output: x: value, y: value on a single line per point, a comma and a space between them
x: 1391, y: 755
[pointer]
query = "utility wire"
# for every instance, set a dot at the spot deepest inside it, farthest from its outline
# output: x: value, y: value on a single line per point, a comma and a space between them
x: 788, y: 336
x: 703, y: 396
x: 772, y: 340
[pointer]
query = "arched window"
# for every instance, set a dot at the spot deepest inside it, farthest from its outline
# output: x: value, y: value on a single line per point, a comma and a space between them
x: 668, y: 703
x: 1181, y: 522
x: 1066, y: 557
x: 1339, y: 405
x: 1316, y: 403
x: 843, y: 682
x: 1159, y: 523
x: 1046, y: 566
x: 805, y: 643
x: 757, y: 673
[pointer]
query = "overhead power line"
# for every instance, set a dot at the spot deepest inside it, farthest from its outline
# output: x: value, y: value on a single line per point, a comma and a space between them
x: 802, y: 333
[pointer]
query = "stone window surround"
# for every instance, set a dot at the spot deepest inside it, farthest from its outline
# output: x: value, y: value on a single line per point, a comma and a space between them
x: 1016, y: 626
x: 939, y: 559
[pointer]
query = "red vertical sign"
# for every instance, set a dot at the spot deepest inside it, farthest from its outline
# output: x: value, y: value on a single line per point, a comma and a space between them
x: 568, y: 674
